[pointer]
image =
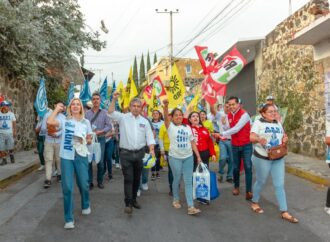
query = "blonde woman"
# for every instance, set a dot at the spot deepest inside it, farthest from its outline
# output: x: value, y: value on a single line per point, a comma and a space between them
x: 73, y: 152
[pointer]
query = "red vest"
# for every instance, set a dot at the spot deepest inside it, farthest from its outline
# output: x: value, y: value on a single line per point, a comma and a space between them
x: 242, y: 137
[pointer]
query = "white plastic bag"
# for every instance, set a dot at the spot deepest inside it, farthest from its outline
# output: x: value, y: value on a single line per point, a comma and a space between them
x: 201, y: 183
x: 94, y: 150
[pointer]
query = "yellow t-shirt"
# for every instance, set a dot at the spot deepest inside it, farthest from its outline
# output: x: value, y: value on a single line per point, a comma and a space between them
x: 164, y: 137
x: 208, y: 124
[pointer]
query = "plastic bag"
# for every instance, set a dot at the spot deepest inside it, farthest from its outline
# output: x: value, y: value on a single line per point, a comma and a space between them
x: 148, y: 161
x: 214, y: 191
x: 201, y: 183
x: 94, y: 150
x: 163, y: 161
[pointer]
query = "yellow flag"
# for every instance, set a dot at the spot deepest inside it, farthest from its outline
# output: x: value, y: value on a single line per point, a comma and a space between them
x: 176, y: 90
x: 126, y: 96
x: 120, y: 90
x: 132, y: 90
x: 153, y: 105
x: 194, y: 102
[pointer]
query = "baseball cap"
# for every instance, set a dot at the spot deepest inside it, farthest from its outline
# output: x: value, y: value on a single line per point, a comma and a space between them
x: 270, y: 97
x: 5, y: 103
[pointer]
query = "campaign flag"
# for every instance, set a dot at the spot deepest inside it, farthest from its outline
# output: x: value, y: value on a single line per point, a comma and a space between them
x: 147, y: 94
x: 189, y: 98
x: 41, y: 103
x: 194, y: 102
x: 210, y: 92
x: 120, y: 90
x: 206, y: 59
x: 113, y: 89
x: 104, y: 94
x: 176, y: 90
x: 85, y: 93
x: 157, y: 84
x: 132, y: 90
x: 70, y: 93
x: 155, y: 102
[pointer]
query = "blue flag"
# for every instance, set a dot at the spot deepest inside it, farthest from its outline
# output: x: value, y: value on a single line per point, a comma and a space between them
x: 41, y: 104
x: 104, y: 94
x: 114, y: 88
x: 70, y: 93
x: 85, y: 93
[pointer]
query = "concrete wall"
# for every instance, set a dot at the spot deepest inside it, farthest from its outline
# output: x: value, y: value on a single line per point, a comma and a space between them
x: 290, y: 74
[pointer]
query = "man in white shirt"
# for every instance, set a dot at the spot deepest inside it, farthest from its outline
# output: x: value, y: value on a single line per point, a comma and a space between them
x: 135, y: 134
x: 7, y: 132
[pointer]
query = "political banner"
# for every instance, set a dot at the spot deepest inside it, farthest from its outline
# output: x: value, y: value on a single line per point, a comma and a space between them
x: 41, y: 103
x: 176, y: 90
x: 104, y: 94
x: 85, y: 94
x: 70, y: 93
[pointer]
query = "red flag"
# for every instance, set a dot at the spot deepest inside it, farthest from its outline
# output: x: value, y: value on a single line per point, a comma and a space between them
x: 206, y: 59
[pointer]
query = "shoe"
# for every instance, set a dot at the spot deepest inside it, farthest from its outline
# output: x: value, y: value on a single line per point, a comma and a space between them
x: 136, y: 205
x: 4, y: 162
x: 176, y: 204
x: 157, y: 176
x: 145, y: 186
x: 54, y: 173
x: 230, y: 180
x: 59, y: 178
x: 86, y: 211
x: 327, y: 210
x: 12, y: 158
x: 110, y: 177
x: 256, y: 208
x: 153, y: 177
x: 41, y: 168
x: 288, y: 217
x: 47, y: 184
x: 220, y: 179
x: 91, y: 186
x: 138, y: 193
x: 69, y: 225
x: 235, y: 191
x: 248, y: 196
x: 128, y: 209
x: 117, y: 166
x: 113, y: 162
x: 100, y: 185
x: 193, y: 211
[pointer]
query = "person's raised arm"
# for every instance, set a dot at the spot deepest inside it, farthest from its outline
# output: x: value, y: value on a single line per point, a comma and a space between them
x: 52, y: 117
x: 166, y: 117
x: 112, y: 105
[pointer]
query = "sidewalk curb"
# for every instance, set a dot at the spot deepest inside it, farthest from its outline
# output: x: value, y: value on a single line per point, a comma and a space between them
x: 312, y: 177
x: 20, y: 174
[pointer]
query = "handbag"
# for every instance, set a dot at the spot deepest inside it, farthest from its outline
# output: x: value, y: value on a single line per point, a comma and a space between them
x: 277, y: 152
x: 214, y: 191
x: 201, y: 183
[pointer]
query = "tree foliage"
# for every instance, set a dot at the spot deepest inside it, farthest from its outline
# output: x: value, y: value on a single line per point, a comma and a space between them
x: 142, y: 71
x: 155, y: 58
x: 38, y: 34
x: 135, y: 72
x: 148, y: 62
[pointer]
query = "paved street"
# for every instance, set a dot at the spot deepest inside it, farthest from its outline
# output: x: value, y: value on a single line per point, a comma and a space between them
x: 31, y: 213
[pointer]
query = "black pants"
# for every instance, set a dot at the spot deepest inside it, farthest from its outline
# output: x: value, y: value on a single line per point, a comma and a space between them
x: 205, y: 156
x: 132, y: 164
x: 157, y: 154
x: 328, y: 198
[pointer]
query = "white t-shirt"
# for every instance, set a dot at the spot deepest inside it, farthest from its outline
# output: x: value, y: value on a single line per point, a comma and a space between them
x: 156, y: 127
x: 6, y: 122
x: 70, y: 129
x: 272, y: 132
x: 180, y: 141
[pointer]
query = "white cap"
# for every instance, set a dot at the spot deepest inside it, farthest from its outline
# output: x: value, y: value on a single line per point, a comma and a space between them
x: 270, y: 97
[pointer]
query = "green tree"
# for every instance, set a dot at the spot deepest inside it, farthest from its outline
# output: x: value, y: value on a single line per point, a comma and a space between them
x: 142, y: 71
x: 155, y: 58
x: 36, y: 35
x: 148, y: 62
x: 135, y: 72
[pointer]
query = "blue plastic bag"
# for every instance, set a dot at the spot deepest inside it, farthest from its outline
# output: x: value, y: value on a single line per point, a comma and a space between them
x: 214, y: 191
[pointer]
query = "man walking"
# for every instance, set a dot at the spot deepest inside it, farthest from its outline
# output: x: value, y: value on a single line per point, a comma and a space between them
x: 101, y: 124
x: 135, y: 134
x: 239, y: 121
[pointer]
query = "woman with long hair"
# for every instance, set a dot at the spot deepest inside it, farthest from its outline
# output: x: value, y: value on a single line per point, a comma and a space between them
x: 267, y: 132
x: 156, y: 121
x: 182, y: 145
x: 73, y: 152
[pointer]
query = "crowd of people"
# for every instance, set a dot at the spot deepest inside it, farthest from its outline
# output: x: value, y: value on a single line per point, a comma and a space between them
x: 183, y: 139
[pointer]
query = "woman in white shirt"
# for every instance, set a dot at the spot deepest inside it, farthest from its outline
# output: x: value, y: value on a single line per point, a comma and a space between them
x: 181, y: 156
x: 73, y: 152
x: 267, y: 132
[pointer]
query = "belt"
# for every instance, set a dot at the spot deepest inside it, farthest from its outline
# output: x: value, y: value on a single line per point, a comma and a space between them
x: 256, y: 154
x: 132, y: 151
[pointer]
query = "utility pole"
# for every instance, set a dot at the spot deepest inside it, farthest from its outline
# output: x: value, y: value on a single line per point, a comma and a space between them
x: 290, y: 8
x: 171, y: 33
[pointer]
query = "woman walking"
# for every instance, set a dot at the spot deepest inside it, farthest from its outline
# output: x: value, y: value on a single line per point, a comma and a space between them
x: 73, y: 152
x: 181, y: 156
x: 267, y: 132
x: 157, y: 121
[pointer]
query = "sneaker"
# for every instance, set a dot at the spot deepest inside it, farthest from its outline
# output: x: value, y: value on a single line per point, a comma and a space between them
x: 138, y: 193
x: 4, y: 162
x: 12, y: 158
x: 157, y: 176
x: 59, y: 178
x: 153, y: 176
x: 145, y: 186
x: 54, y: 173
x: 113, y: 162
x: 86, y: 211
x: 69, y: 225
x: 41, y: 168
x: 47, y: 184
x: 128, y: 209
x: 193, y: 211
x: 118, y: 166
x: 327, y: 210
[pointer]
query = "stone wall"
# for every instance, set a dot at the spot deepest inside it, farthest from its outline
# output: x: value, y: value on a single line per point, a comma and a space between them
x: 290, y: 74
x: 22, y: 94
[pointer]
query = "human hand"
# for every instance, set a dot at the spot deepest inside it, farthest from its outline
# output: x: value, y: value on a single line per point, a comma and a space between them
x: 262, y: 141
x: 59, y: 108
x: 223, y: 120
x: 165, y: 102
x: 162, y: 152
x: 199, y: 160
x: 152, y: 153
x: 213, y: 158
x: 115, y: 95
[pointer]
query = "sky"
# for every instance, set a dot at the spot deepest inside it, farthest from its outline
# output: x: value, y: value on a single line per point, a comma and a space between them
x: 136, y: 28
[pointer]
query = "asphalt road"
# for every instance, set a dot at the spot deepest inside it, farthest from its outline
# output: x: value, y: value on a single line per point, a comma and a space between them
x: 30, y: 213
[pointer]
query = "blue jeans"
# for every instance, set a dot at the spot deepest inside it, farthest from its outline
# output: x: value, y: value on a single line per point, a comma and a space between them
x: 277, y: 169
x: 109, y: 149
x: 115, y: 153
x: 100, y: 165
x: 79, y: 167
x: 182, y: 167
x: 144, y: 176
x: 226, y: 156
x: 243, y: 152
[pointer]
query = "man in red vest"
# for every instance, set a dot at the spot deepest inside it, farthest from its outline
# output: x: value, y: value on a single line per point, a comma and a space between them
x: 239, y: 121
